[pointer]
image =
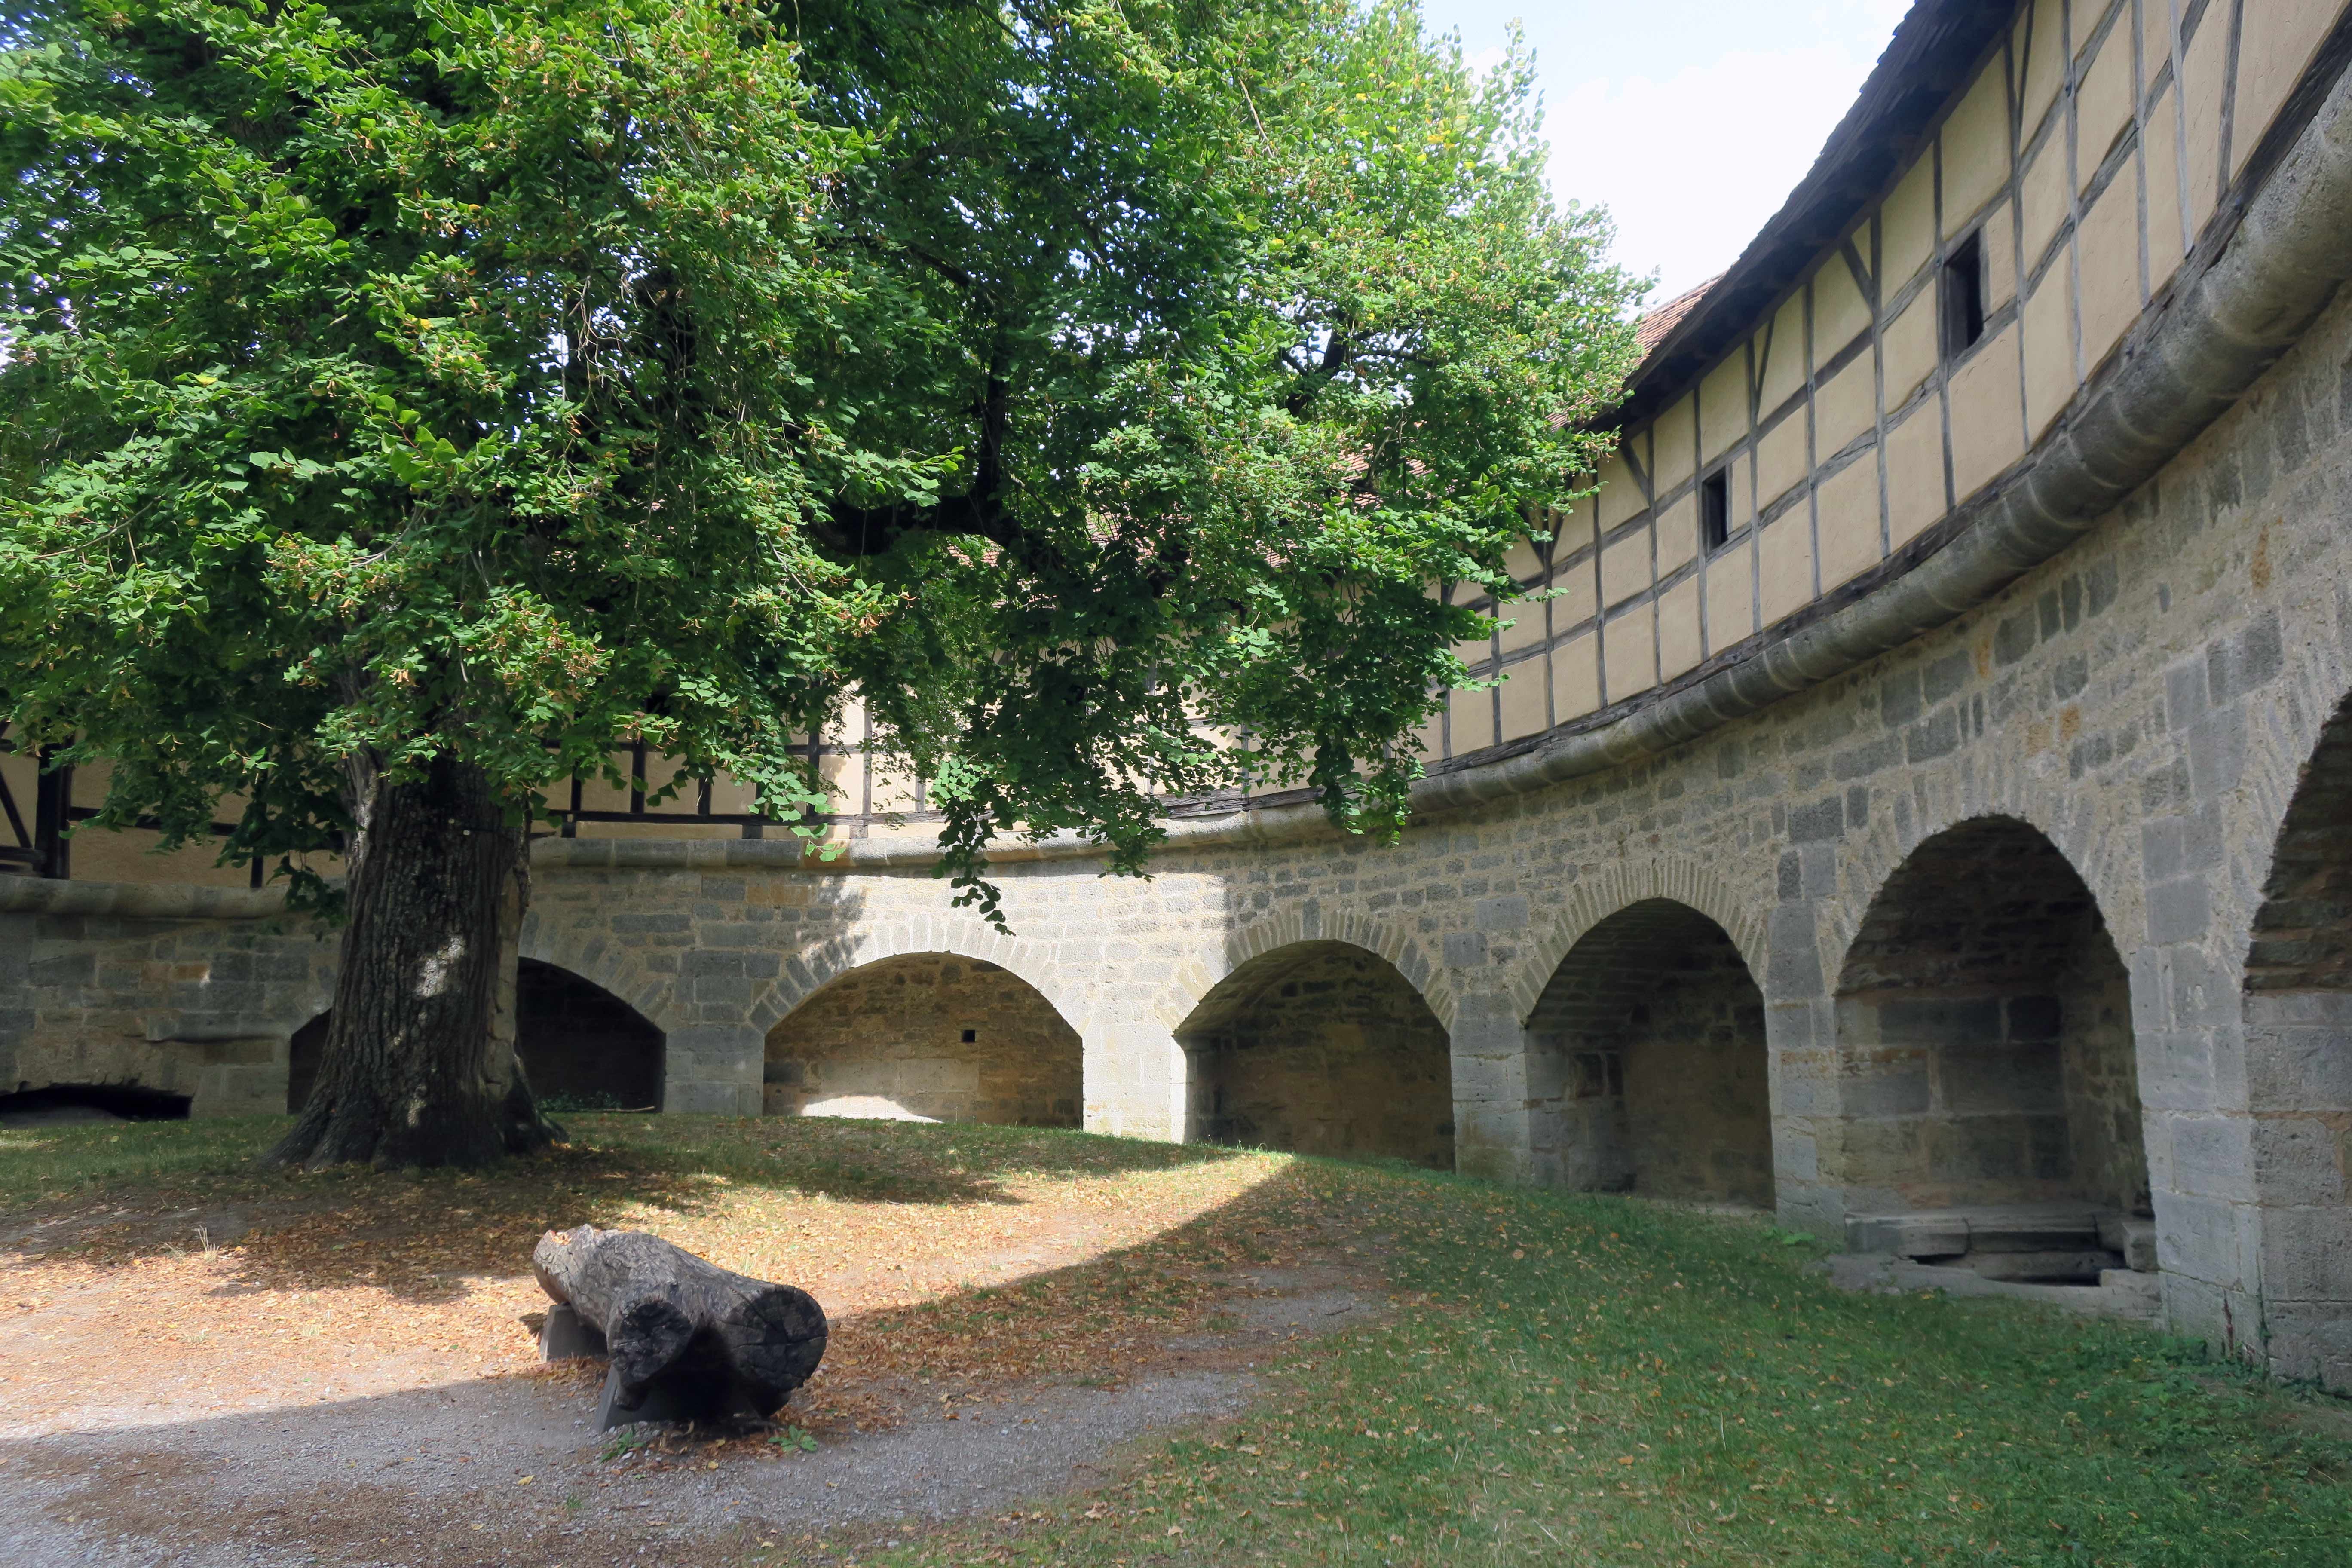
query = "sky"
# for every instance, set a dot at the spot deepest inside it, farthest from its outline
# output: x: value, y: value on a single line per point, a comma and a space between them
x: 1690, y: 120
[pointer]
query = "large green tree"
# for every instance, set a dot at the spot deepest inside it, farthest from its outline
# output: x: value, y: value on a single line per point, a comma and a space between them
x: 410, y: 402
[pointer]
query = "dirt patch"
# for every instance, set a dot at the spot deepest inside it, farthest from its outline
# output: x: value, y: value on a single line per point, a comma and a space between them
x: 345, y: 1382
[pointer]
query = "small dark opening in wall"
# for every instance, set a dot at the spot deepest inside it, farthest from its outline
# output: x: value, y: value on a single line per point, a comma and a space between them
x: 1715, y: 510
x: 90, y: 1102
x: 1964, y: 295
x: 970, y: 1036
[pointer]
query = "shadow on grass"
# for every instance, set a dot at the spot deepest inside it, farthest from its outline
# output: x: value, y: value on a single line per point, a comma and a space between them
x: 121, y: 1193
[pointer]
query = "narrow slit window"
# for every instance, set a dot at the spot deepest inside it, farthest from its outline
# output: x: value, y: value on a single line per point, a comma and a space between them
x: 1715, y: 510
x: 1964, y: 296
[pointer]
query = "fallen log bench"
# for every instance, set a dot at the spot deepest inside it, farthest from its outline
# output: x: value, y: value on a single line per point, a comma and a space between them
x: 688, y: 1340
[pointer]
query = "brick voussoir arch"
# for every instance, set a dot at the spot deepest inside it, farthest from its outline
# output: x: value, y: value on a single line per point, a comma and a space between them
x: 1290, y: 927
x: 1873, y: 860
x: 1619, y: 886
x: 612, y: 967
x: 901, y: 936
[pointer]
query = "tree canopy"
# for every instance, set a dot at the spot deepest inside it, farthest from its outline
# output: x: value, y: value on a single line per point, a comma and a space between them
x: 1094, y: 386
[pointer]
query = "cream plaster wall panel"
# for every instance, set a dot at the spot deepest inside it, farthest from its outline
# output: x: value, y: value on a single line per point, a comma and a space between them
x: 2102, y: 104
x: 1526, y: 628
x: 1849, y: 529
x: 128, y: 856
x: 1522, y: 562
x: 2110, y: 242
x: 1907, y: 226
x: 2083, y: 26
x: 730, y: 794
x: 844, y: 774
x: 1620, y: 498
x: 1467, y: 592
x: 1477, y: 655
x: 1626, y: 568
x: 1630, y: 651
x: 2042, y: 194
x: 1987, y: 422
x: 1731, y: 597
x: 595, y: 795
x: 1671, y: 443
x: 1575, y: 677
x: 1523, y: 709
x: 1741, y: 492
x: 2279, y: 40
x: 1975, y: 149
x: 2041, y: 49
x: 893, y: 794
x: 1429, y: 739
x: 1678, y: 632
x: 657, y: 829
x: 1844, y: 406
x: 2000, y: 256
x: 1915, y: 474
x: 2049, y: 350
x: 1677, y: 534
x: 1722, y: 407
x: 2160, y: 146
x: 1785, y: 565
x: 1780, y: 459
x: 1471, y: 715
x: 1910, y: 349
x: 1781, y: 353
x: 2203, y: 72
x: 1840, y: 312
x: 1575, y: 601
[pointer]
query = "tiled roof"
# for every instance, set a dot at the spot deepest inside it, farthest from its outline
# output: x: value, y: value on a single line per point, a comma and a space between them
x: 1651, y: 329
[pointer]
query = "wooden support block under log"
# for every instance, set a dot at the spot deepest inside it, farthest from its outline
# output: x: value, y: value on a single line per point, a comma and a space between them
x: 689, y: 1340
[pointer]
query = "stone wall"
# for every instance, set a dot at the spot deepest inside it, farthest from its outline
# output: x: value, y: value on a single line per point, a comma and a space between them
x: 1647, y: 1064
x: 928, y: 1035
x: 1984, y: 1033
x: 1322, y: 1048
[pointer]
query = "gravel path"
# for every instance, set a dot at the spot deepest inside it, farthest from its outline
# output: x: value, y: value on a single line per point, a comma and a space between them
x: 504, y: 1470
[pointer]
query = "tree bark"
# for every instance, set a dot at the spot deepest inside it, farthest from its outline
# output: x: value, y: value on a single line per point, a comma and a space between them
x: 419, y: 1066
x: 685, y: 1335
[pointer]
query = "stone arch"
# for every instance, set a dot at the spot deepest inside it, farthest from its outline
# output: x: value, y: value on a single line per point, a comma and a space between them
x: 1035, y: 962
x: 614, y: 967
x: 2101, y: 858
x: 1320, y: 1047
x: 2296, y: 1002
x: 1288, y: 927
x: 927, y: 1036
x: 1984, y: 1038
x: 1647, y: 1067
x: 583, y: 1048
x: 1618, y: 886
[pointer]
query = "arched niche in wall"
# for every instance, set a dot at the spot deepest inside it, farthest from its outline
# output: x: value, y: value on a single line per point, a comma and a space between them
x: 2298, y: 1018
x: 1985, y: 1037
x: 1647, y: 1068
x: 582, y: 1049
x: 1320, y: 1048
x: 931, y: 1037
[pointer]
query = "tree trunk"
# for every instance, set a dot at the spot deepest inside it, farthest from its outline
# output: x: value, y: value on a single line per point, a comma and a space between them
x: 688, y: 1339
x: 419, y: 1066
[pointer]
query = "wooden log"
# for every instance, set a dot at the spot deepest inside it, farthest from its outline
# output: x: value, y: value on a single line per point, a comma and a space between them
x: 688, y: 1340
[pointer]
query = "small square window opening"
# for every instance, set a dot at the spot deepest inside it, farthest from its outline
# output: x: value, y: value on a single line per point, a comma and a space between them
x: 1964, y: 296
x: 1715, y: 510
x: 970, y: 1036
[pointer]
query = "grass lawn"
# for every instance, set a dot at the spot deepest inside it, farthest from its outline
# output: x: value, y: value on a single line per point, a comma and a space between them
x: 1586, y: 1380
